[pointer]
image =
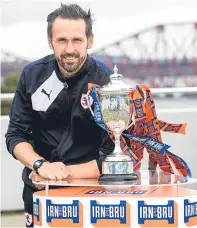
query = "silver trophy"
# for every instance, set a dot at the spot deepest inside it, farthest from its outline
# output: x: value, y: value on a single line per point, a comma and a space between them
x: 116, y: 113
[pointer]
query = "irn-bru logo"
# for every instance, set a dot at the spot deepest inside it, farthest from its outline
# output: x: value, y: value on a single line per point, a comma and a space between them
x: 157, y: 215
x: 113, y: 215
x: 64, y: 214
x: 37, y: 212
x: 190, y: 213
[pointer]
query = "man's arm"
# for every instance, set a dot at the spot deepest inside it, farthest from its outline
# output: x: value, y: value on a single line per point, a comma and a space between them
x: 25, y: 153
x: 91, y: 169
x: 20, y: 124
x: 86, y: 170
x: 19, y: 135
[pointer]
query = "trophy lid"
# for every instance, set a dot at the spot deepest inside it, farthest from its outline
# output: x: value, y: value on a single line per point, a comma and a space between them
x: 116, y: 83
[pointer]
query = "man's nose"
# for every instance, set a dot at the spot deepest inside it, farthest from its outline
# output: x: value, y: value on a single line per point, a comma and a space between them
x: 69, y: 48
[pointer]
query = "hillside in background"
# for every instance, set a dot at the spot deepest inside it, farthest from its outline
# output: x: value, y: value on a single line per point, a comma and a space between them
x: 11, y: 64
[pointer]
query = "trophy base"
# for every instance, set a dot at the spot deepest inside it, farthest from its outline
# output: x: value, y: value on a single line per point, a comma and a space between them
x: 118, y: 179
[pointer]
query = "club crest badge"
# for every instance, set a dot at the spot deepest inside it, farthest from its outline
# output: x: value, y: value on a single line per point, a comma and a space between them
x: 84, y: 103
x: 28, y: 218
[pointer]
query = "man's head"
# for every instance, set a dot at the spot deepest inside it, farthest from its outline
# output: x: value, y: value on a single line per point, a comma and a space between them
x: 70, y: 35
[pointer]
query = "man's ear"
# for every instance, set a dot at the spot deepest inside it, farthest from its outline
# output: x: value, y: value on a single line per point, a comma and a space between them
x: 90, y: 41
x: 50, y: 43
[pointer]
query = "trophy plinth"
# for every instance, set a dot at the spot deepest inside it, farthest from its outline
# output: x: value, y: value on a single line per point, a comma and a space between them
x: 117, y: 169
x: 116, y: 113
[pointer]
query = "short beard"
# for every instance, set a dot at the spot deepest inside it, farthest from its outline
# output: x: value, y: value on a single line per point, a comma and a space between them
x: 72, y: 69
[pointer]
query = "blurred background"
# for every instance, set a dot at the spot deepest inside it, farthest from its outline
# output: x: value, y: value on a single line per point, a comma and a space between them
x: 151, y: 41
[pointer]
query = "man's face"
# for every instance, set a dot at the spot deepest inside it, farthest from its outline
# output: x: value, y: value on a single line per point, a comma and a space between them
x: 70, y: 44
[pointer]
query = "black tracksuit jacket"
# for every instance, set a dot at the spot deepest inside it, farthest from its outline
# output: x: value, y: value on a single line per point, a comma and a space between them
x: 50, y: 112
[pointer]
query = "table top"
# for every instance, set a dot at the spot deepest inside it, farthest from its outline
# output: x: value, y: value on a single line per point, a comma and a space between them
x: 145, y: 178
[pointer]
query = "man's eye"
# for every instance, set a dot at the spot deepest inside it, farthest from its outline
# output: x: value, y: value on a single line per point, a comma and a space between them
x: 77, y: 40
x: 61, y: 40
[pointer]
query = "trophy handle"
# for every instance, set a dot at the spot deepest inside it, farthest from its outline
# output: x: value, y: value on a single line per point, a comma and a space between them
x: 88, y: 102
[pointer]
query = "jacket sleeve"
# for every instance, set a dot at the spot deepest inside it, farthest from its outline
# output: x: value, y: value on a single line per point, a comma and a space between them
x: 20, y: 124
x: 106, y: 148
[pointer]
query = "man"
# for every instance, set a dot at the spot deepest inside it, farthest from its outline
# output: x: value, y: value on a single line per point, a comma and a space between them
x: 51, y: 129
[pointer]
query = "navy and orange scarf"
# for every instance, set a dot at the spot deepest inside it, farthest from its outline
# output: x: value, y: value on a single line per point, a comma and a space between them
x: 145, y: 133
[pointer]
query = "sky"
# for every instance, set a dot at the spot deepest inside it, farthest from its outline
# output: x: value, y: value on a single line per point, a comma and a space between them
x: 23, y: 23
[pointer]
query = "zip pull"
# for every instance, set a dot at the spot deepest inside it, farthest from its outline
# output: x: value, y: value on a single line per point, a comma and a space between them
x: 65, y: 85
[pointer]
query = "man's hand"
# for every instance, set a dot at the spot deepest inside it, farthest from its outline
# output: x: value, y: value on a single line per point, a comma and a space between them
x: 54, y: 171
x: 36, y: 177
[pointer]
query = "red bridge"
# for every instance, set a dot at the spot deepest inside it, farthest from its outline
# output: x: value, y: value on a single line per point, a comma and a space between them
x: 161, y: 56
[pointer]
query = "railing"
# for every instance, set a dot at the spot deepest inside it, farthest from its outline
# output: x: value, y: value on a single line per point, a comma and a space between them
x: 190, y: 90
x: 173, y: 90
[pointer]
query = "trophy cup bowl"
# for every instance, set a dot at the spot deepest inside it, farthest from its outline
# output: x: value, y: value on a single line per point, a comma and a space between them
x: 115, y: 108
